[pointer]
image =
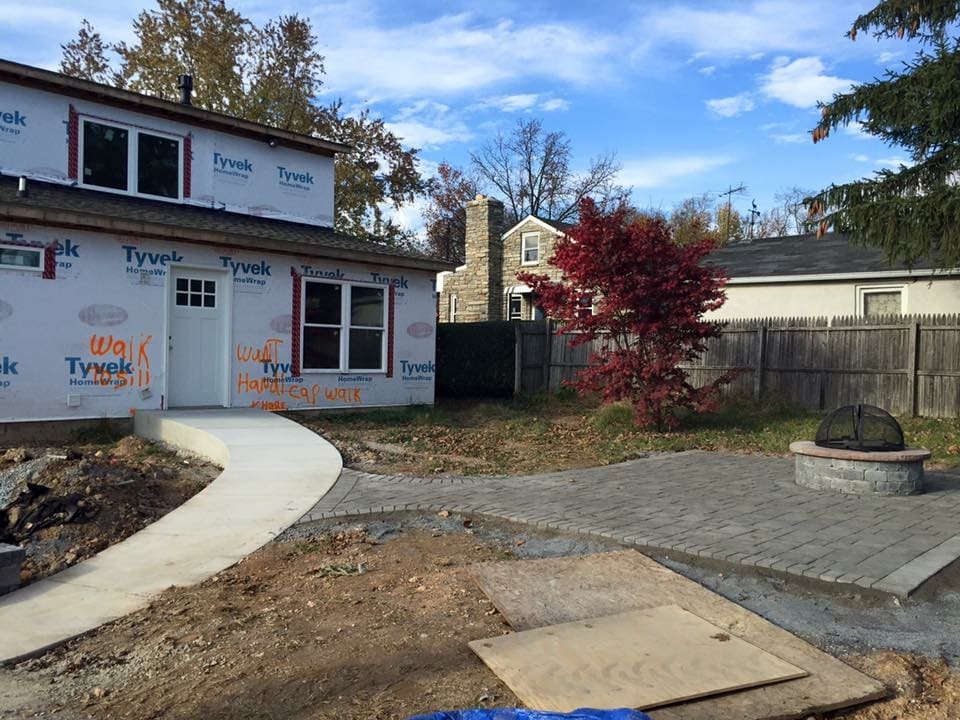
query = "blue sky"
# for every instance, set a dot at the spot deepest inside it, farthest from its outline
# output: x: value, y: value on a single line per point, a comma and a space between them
x: 692, y: 96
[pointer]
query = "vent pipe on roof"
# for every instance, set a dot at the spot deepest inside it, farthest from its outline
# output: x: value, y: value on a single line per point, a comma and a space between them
x: 185, y: 83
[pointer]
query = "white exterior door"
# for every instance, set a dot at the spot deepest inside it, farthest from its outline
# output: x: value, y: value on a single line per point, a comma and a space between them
x: 197, y: 339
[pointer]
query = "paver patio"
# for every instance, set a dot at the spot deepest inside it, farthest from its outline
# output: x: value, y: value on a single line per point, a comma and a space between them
x: 744, y: 509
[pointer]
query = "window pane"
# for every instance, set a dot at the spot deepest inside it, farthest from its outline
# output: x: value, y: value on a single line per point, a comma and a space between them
x: 321, y: 348
x: 366, y: 349
x: 105, y: 156
x: 322, y: 304
x: 195, y: 300
x: 158, y: 166
x: 881, y: 303
x: 20, y: 257
x: 196, y: 285
x: 182, y: 298
x: 181, y: 283
x: 209, y: 300
x: 209, y: 286
x: 366, y: 306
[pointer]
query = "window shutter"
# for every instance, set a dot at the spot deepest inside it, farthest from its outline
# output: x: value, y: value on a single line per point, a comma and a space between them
x: 295, y: 328
x: 390, y: 324
x: 73, y: 144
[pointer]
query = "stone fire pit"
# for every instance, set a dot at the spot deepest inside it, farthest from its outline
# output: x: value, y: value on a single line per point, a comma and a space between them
x: 895, y: 472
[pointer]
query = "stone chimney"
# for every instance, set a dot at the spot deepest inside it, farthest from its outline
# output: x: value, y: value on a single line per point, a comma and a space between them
x: 484, y: 259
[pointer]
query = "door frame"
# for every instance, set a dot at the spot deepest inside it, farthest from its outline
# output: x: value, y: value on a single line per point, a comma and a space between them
x: 226, y: 339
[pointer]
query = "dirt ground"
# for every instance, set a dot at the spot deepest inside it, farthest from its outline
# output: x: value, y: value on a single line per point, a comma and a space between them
x: 65, y: 504
x: 344, y: 622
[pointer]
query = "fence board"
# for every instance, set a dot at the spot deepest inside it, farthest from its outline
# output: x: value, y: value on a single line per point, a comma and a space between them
x: 907, y: 364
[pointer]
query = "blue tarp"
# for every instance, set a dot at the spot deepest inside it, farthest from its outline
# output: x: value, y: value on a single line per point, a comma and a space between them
x: 521, y: 714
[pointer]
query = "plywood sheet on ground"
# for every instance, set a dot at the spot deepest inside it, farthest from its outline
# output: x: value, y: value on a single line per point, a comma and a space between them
x: 537, y: 593
x: 639, y: 659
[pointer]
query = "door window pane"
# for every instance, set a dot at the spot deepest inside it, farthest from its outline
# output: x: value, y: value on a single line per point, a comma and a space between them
x: 366, y: 349
x: 322, y: 303
x: 366, y: 306
x: 105, y: 155
x: 158, y: 166
x: 321, y: 348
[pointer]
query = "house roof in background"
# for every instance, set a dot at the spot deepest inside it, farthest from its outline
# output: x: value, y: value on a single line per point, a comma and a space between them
x: 792, y: 256
x: 96, y: 92
x: 560, y: 227
x: 65, y: 206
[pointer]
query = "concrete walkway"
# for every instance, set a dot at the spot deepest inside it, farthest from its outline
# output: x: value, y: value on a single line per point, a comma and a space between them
x: 735, y: 508
x: 274, y: 471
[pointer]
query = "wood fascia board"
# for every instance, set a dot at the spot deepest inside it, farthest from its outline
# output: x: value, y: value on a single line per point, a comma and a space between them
x: 98, y: 223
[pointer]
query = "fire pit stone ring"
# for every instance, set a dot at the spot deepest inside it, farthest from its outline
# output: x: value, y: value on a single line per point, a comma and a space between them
x: 895, y: 472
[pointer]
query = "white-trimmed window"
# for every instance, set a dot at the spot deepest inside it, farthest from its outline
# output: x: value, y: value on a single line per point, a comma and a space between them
x: 127, y: 159
x: 880, y: 300
x: 453, y: 308
x: 530, y: 248
x: 515, y: 306
x: 18, y: 257
x: 344, y: 327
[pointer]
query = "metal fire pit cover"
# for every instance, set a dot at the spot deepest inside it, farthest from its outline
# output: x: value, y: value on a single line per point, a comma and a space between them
x: 860, y: 427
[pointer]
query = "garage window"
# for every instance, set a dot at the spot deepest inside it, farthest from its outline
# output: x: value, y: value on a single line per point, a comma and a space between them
x: 880, y: 300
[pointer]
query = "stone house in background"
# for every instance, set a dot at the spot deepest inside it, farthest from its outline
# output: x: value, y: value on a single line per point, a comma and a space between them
x: 790, y: 276
x: 485, y: 287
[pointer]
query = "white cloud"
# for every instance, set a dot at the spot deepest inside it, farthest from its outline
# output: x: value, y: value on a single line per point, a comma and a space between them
x: 791, y: 138
x: 521, y: 102
x: 662, y: 171
x: 453, y: 54
x: 801, y: 82
x: 748, y: 29
x: 554, y: 104
x: 855, y: 130
x: 891, y: 161
x: 419, y: 134
x: 708, y: 71
x: 886, y: 56
x: 731, y: 106
x: 512, y: 103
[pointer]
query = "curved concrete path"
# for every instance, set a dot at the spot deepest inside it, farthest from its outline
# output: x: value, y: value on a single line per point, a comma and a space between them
x: 274, y: 471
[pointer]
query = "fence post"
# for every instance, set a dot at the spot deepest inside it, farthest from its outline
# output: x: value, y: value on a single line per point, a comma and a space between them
x: 517, y: 358
x: 761, y: 361
x: 547, y: 352
x: 913, y: 350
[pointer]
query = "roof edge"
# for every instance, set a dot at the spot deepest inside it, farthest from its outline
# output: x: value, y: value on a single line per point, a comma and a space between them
x: 541, y: 222
x: 93, y: 222
x: 916, y: 273
x: 41, y: 79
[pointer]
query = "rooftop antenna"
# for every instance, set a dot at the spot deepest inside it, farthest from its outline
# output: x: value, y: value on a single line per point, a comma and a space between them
x: 729, y: 192
x: 754, y: 215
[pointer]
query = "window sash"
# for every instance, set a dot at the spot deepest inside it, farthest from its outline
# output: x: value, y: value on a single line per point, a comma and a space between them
x: 515, y: 307
x: 530, y: 248
x: 868, y: 299
x: 11, y: 251
x: 132, y: 179
x: 346, y: 330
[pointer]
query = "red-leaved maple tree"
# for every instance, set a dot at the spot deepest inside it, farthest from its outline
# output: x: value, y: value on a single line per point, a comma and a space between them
x: 648, y: 296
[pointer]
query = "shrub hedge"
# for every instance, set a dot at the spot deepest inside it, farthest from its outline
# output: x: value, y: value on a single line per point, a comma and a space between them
x: 475, y: 359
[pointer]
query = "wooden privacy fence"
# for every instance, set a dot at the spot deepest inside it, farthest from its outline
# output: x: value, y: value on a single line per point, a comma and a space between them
x: 909, y: 365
